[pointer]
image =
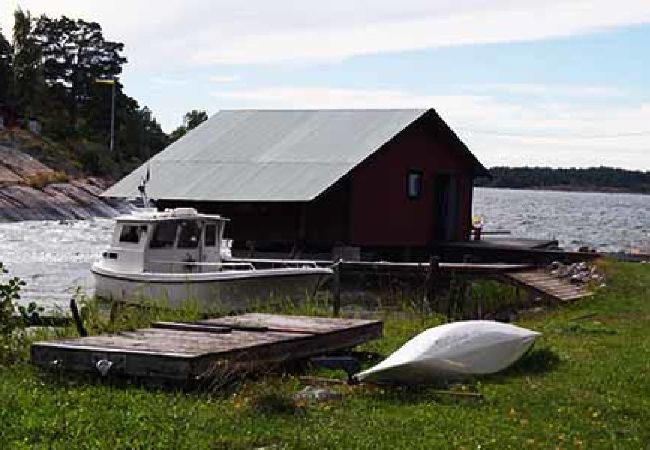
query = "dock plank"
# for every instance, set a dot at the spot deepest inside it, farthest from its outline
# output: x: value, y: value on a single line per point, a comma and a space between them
x: 547, y: 285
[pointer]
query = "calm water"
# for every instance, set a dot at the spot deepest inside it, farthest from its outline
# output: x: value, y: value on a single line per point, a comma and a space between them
x: 608, y: 222
x: 54, y: 257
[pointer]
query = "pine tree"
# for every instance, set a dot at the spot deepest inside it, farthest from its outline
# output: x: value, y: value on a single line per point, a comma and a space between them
x: 27, y: 67
x: 194, y: 118
x: 191, y: 120
x: 75, y: 54
x: 6, y: 71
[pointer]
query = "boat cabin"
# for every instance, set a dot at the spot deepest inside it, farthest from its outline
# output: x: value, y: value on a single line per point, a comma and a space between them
x: 173, y: 241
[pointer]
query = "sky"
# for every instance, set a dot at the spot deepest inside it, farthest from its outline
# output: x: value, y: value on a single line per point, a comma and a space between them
x: 560, y: 83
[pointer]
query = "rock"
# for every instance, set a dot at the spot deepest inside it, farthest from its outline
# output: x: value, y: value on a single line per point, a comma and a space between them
x: 8, y: 176
x: 21, y: 163
x: 28, y: 190
x: 61, y: 201
x: 578, y: 273
x: 316, y: 394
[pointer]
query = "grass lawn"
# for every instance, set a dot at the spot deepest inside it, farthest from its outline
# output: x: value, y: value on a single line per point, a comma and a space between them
x: 586, y: 385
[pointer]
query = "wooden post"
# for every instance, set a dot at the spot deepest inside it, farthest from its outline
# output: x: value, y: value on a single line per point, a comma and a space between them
x: 336, y: 288
x: 77, y: 318
x: 430, y: 282
x: 463, y: 291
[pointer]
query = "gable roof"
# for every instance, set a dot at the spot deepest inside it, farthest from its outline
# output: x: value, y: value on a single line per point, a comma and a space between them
x: 270, y: 155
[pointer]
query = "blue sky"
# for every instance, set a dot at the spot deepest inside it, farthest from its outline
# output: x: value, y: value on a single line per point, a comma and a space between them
x: 554, y: 83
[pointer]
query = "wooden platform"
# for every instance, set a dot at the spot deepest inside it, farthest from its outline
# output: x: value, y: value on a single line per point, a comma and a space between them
x: 546, y: 285
x: 513, y: 250
x: 455, y: 268
x: 182, y: 352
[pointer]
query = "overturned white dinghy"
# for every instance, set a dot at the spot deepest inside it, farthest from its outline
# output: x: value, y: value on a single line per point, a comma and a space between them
x: 453, y: 350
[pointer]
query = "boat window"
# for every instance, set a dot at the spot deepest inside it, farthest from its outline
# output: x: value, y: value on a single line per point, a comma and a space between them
x: 211, y: 235
x: 164, y: 235
x: 130, y: 233
x: 189, y: 236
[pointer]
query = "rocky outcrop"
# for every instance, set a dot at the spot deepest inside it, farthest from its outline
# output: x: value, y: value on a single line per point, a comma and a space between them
x: 30, y: 190
x: 15, y: 163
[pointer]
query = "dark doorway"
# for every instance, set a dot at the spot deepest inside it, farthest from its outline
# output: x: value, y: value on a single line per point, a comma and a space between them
x: 445, y: 208
x: 440, y: 202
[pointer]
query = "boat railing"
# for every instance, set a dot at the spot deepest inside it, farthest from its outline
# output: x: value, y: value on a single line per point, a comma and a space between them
x: 288, y: 263
x: 189, y: 266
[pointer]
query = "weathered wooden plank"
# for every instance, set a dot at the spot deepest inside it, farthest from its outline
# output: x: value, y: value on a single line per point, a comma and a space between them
x: 275, y: 322
x: 459, y: 268
x: 548, y: 285
x: 190, y: 343
x: 140, y: 364
x: 183, y: 326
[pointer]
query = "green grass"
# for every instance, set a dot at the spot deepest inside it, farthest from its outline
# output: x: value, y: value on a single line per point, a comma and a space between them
x: 585, y: 385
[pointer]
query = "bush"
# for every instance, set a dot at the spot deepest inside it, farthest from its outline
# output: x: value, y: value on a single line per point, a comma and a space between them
x: 96, y: 159
x: 13, y: 318
x: 39, y: 181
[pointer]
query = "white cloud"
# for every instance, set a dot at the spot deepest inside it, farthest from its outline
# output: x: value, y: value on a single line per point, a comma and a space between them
x: 223, y: 79
x: 498, y: 132
x: 547, y: 90
x: 257, y: 31
x: 320, y: 97
x: 488, y: 23
x: 165, y: 80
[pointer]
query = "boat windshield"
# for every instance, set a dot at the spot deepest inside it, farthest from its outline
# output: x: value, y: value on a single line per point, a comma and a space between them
x: 164, y: 235
x: 183, y: 234
x: 189, y: 235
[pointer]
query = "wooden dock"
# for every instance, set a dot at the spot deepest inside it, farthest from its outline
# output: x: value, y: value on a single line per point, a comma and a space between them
x: 546, y: 285
x: 190, y: 352
x: 453, y: 268
x: 512, y: 250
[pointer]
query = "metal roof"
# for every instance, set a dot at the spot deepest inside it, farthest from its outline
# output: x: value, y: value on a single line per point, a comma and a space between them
x: 266, y: 155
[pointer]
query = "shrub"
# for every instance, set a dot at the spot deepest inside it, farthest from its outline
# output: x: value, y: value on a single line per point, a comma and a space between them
x: 40, y: 180
x: 13, y: 318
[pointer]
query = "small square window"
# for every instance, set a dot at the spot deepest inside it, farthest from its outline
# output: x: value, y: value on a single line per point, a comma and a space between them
x: 414, y: 184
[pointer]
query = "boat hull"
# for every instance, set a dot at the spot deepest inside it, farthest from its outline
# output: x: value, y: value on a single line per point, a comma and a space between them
x: 453, y: 350
x: 219, y: 291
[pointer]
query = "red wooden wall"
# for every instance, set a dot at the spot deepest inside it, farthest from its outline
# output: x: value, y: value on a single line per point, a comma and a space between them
x: 381, y: 212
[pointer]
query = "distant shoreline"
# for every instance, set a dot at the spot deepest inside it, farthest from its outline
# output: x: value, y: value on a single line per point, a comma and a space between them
x: 592, y: 190
x: 604, y: 180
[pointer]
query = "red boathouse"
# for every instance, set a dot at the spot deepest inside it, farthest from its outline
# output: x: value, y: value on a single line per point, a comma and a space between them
x: 388, y: 182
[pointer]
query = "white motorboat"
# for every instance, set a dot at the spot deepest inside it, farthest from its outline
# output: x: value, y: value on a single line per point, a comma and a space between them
x: 453, y: 350
x: 180, y: 255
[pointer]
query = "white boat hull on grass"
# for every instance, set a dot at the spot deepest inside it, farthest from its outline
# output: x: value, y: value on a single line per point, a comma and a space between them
x: 212, y: 291
x: 453, y: 350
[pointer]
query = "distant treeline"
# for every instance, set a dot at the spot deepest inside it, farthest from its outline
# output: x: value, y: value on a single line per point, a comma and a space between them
x: 604, y: 179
